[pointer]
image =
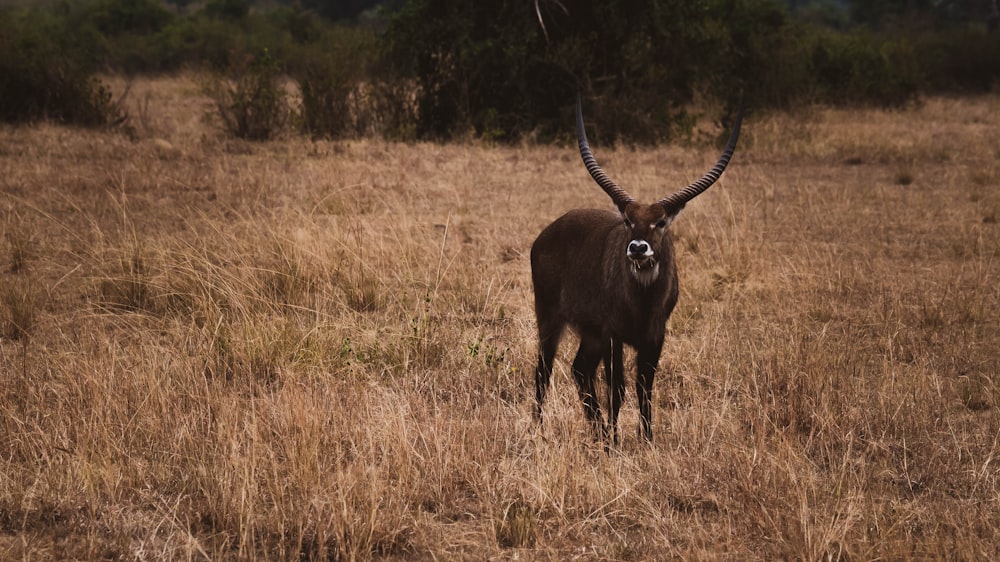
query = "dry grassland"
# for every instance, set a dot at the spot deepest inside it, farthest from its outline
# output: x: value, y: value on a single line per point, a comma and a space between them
x: 295, y: 350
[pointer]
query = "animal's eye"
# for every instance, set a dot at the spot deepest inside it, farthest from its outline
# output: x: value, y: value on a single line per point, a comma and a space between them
x: 628, y: 223
x: 661, y: 223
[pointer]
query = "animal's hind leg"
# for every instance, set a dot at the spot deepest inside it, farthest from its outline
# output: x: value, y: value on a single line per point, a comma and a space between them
x: 584, y: 369
x: 614, y: 374
x: 549, y: 334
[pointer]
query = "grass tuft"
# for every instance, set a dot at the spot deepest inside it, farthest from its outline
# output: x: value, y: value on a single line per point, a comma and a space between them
x: 21, y: 301
x: 21, y: 248
x: 128, y: 288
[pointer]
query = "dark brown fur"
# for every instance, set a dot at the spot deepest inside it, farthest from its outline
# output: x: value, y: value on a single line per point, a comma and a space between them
x: 612, y: 277
x: 582, y: 277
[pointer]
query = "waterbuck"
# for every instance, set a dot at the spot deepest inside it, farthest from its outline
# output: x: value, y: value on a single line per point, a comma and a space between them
x: 612, y: 277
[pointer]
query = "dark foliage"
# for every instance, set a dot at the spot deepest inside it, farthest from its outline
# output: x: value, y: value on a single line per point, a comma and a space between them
x: 908, y: 13
x: 333, y: 103
x: 251, y: 101
x: 47, y: 72
x: 490, y: 68
x: 506, y: 69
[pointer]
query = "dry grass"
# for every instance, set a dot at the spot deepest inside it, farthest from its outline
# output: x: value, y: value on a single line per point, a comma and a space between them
x: 221, y: 350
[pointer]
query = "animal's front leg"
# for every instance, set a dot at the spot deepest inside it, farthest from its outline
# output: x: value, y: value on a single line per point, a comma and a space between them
x: 614, y: 374
x: 647, y: 358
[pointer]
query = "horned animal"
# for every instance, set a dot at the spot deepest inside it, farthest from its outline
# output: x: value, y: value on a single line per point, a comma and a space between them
x: 611, y: 276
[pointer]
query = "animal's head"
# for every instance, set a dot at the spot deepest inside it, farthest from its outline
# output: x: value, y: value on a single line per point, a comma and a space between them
x: 647, y: 224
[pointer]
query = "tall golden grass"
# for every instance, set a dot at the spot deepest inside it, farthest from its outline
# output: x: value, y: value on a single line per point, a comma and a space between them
x: 306, y: 350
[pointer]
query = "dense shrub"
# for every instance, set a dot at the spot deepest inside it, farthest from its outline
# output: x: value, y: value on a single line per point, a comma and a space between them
x: 855, y: 68
x: 251, y: 101
x: 47, y: 72
x: 347, y: 90
x: 141, y: 36
x: 458, y: 52
x: 489, y: 67
x: 496, y: 69
x: 961, y: 59
x: 138, y: 17
x: 228, y: 10
x: 330, y: 77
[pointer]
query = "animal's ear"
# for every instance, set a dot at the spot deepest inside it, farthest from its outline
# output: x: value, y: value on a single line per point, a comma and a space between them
x: 627, y: 221
x: 672, y: 212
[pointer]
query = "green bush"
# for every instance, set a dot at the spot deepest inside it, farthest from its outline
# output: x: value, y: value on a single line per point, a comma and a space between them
x: 857, y: 68
x: 960, y: 59
x: 329, y: 98
x: 141, y: 36
x: 204, y: 42
x: 488, y: 68
x: 493, y: 69
x: 345, y: 92
x: 45, y: 73
x: 228, y: 10
x: 119, y: 17
x: 251, y: 100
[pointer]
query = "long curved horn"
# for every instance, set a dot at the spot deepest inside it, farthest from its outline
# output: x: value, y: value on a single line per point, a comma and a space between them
x: 678, y: 199
x: 618, y: 195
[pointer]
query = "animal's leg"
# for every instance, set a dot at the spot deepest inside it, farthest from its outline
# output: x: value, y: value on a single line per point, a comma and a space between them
x: 584, y: 370
x: 549, y: 334
x: 647, y: 358
x: 614, y: 374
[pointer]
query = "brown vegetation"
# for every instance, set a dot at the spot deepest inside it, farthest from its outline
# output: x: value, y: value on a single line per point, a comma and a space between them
x: 225, y: 350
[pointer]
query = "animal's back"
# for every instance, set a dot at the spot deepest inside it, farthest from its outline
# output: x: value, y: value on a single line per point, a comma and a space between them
x: 567, y: 264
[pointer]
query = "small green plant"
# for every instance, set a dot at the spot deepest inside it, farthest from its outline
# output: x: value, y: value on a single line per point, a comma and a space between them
x: 492, y: 355
x: 252, y: 102
x: 346, y: 350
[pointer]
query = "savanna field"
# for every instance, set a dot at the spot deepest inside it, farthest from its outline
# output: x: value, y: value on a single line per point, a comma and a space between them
x: 212, y: 349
